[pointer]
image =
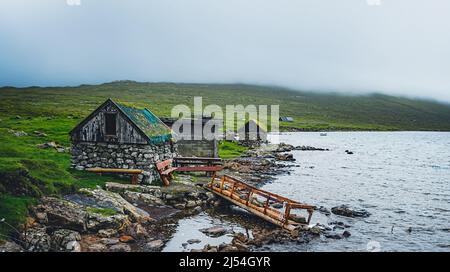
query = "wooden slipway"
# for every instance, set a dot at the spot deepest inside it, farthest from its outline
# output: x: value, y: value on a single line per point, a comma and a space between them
x: 262, y: 203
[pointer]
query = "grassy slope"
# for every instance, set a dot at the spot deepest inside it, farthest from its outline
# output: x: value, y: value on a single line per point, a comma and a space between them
x: 311, y: 111
x: 56, y: 110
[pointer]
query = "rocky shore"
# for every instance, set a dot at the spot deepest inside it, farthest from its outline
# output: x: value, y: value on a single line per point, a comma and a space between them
x: 124, y: 217
x: 264, y: 163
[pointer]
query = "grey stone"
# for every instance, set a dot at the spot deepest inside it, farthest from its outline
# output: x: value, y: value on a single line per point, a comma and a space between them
x: 154, y: 245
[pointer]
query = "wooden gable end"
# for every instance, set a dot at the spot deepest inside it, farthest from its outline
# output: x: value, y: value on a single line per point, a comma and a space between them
x: 94, y: 127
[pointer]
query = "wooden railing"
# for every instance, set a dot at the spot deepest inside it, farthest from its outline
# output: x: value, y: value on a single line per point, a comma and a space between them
x: 246, y: 196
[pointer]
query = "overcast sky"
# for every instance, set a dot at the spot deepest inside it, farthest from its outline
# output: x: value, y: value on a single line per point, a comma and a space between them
x: 400, y: 47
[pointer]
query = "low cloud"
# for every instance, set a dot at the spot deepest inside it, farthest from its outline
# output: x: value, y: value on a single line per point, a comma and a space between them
x: 398, y: 47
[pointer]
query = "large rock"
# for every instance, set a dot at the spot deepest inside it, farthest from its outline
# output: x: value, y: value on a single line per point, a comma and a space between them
x: 155, y: 245
x: 148, y: 199
x: 65, y: 240
x: 114, y: 201
x: 214, y: 231
x: 96, y: 221
x: 37, y: 240
x: 345, y: 210
x: 62, y: 214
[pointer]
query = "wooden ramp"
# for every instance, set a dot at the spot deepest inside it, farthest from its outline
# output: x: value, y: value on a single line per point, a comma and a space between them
x: 271, y: 207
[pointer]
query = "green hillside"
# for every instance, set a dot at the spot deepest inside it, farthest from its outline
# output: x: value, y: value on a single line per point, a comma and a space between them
x: 311, y: 111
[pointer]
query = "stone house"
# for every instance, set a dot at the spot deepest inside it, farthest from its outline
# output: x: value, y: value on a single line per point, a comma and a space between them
x: 119, y: 136
x: 192, y: 147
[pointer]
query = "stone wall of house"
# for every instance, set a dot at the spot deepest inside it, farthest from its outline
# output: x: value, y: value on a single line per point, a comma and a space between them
x: 128, y: 156
x: 200, y: 148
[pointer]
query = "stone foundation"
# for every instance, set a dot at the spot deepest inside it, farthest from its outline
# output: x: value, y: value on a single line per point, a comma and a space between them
x: 127, y: 156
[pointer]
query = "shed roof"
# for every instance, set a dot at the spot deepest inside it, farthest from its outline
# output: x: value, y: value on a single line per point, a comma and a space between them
x: 148, y: 123
x: 143, y: 119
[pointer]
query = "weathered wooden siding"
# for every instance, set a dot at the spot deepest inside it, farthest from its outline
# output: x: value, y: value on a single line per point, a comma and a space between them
x: 94, y: 129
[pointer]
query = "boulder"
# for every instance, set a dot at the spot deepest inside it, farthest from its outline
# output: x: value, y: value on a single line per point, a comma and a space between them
x: 37, y: 240
x: 155, y: 245
x: 107, y: 233
x: 120, y: 248
x: 65, y: 240
x: 62, y: 214
x: 193, y: 241
x: 115, y: 201
x: 344, y: 210
x: 73, y: 246
x: 96, y: 222
x: 214, y: 231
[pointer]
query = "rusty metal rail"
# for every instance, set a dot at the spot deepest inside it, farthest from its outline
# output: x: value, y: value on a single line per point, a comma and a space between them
x: 261, y: 203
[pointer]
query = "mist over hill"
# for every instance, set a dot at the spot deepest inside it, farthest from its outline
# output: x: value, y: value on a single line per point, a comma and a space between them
x: 310, y: 110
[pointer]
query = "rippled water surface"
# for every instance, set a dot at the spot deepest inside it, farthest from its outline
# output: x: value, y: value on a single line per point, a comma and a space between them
x: 401, y: 178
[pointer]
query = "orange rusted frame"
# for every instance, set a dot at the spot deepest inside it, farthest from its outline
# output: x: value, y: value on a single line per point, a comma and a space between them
x: 266, y: 212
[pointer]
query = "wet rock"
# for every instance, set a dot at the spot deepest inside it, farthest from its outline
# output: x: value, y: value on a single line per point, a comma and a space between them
x: 190, y: 204
x: 96, y: 222
x: 344, y: 210
x: 180, y: 206
x: 37, y: 240
x: 315, y: 230
x: 346, y: 234
x: 298, y: 218
x: 227, y: 248
x: 284, y: 157
x: 324, y: 210
x: 96, y: 248
x: 62, y: 214
x: 10, y: 246
x: 109, y: 241
x: 65, y: 240
x: 333, y: 236
x: 139, y: 231
x: 277, y: 205
x: 73, y: 246
x: 214, y: 231
x: 147, y: 199
x: 310, y: 148
x: 120, y: 248
x: 107, y: 233
x: 155, y: 245
x: 193, y: 241
x: 115, y: 201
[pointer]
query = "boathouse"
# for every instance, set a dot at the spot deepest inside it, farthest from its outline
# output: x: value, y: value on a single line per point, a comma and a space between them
x: 191, y: 146
x: 120, y: 136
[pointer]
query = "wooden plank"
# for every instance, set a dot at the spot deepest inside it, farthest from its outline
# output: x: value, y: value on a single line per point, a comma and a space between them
x: 196, y: 159
x: 115, y: 170
x: 199, y: 169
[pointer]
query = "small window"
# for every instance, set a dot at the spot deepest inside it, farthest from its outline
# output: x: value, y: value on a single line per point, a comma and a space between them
x: 110, y: 124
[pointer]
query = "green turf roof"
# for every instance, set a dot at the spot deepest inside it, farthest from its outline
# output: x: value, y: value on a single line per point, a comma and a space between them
x: 148, y: 123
